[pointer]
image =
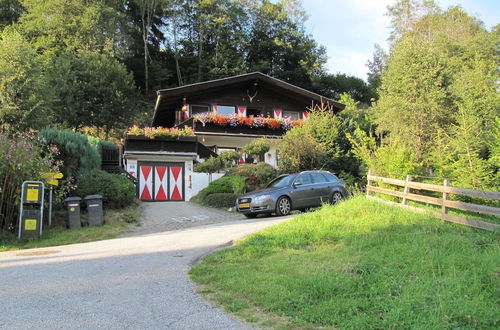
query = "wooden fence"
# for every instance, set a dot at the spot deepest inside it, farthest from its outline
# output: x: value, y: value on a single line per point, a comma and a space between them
x: 445, y: 202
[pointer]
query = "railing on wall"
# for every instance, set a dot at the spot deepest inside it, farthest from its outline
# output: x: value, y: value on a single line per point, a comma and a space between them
x: 411, y: 189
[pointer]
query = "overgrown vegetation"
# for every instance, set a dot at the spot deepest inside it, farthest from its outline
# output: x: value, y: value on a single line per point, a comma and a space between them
x: 225, y: 189
x: 321, y: 143
x: 255, y: 175
x: 360, y: 264
x: 23, y: 157
x: 84, y: 64
x: 77, y: 152
x: 223, y: 192
x: 117, y: 191
x: 439, y: 99
x: 220, y: 200
x: 257, y: 149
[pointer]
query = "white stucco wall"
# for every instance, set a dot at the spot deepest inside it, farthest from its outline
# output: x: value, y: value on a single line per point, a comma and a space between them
x: 270, y: 158
x: 198, y: 182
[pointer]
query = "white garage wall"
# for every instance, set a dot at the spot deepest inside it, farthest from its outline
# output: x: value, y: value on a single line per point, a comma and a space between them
x: 199, y: 181
x: 271, y: 157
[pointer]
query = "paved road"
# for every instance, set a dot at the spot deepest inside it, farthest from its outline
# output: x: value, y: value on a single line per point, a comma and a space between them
x: 127, y: 283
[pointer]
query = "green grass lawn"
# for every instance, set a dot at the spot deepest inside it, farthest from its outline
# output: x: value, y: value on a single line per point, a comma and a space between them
x: 116, y: 223
x: 359, y: 265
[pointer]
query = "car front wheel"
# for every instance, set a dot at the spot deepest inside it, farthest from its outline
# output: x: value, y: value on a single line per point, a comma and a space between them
x: 336, y: 198
x: 283, y: 206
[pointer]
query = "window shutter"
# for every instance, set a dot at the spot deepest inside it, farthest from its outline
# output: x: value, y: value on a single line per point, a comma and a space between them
x: 185, y: 111
x: 242, y: 111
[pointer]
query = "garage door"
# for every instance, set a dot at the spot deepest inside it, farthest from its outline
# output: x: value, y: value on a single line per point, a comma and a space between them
x: 161, y: 181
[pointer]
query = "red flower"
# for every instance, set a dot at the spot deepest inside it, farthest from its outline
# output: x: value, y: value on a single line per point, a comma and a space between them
x: 220, y: 120
x: 273, y: 123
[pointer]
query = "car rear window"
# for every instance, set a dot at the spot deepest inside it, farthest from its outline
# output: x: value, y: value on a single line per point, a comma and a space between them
x: 330, y: 177
x: 318, y: 178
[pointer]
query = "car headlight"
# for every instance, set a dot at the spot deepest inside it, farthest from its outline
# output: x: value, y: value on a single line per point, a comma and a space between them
x: 261, y: 198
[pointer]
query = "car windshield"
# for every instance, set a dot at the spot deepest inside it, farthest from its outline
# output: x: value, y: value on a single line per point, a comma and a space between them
x: 281, y: 181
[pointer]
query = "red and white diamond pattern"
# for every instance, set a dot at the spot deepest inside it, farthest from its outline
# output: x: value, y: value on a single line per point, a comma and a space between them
x: 145, y: 183
x: 160, y: 183
x: 168, y: 182
x: 175, y: 183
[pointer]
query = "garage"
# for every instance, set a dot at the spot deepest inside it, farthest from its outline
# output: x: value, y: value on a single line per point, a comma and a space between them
x: 161, y: 181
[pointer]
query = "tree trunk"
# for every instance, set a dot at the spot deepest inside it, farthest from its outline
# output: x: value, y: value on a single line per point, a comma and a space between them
x: 147, y: 8
x: 200, y: 52
x: 176, y: 52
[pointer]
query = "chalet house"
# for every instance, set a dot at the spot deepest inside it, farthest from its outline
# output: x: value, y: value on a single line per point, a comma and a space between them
x: 223, y: 114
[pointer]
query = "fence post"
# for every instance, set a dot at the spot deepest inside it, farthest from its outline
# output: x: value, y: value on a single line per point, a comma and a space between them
x: 406, y: 190
x: 369, y: 182
x: 444, y: 209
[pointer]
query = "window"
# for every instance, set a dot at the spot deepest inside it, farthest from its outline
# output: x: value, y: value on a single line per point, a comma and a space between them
x: 196, y: 109
x: 281, y: 181
x: 304, y: 179
x: 253, y: 112
x: 318, y: 178
x: 331, y: 178
x: 293, y: 115
x: 225, y: 110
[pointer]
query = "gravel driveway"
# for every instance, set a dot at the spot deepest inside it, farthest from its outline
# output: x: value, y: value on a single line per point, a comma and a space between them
x: 165, y: 216
x: 137, y: 282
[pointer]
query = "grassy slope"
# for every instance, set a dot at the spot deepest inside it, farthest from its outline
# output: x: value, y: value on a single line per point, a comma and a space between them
x: 116, y: 223
x: 361, y: 264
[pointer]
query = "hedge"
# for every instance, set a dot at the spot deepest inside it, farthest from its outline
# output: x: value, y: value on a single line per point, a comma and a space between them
x: 220, y: 200
x: 117, y: 191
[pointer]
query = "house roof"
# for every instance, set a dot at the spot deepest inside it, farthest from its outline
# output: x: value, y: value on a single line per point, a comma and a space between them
x: 165, y: 96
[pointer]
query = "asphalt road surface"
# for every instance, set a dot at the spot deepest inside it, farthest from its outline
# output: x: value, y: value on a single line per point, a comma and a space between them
x: 136, y: 282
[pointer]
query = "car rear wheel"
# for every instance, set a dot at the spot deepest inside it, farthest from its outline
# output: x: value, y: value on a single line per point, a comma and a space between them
x: 336, y: 198
x: 250, y: 215
x: 283, y: 206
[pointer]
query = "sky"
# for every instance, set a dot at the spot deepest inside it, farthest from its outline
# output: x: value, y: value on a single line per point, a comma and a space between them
x: 349, y: 29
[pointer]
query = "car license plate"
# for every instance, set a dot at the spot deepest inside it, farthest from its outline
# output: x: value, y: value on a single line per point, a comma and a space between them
x: 244, y: 205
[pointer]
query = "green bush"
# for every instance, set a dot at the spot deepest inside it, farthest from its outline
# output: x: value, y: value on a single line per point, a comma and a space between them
x: 22, y: 157
x: 99, y: 144
x: 211, y: 165
x: 229, y: 186
x: 117, y: 191
x: 220, y: 200
x: 226, y: 184
x: 76, y: 151
x: 257, y: 148
x: 256, y: 174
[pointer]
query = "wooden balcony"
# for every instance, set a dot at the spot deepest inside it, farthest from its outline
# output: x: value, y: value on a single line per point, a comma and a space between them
x: 185, y: 144
x: 244, y: 130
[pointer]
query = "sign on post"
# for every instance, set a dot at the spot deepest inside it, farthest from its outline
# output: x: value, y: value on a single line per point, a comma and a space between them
x: 52, y: 180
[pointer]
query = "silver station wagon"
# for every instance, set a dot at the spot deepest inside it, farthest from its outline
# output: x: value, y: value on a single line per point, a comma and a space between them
x: 293, y: 192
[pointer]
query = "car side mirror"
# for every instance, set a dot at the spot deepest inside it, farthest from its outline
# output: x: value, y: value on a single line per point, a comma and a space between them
x: 296, y: 184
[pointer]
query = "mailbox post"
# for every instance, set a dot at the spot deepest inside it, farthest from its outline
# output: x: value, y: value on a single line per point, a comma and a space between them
x: 31, y: 213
